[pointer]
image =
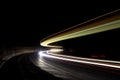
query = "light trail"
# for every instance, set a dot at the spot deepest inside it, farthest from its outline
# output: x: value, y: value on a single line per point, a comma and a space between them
x: 98, y: 62
x: 55, y: 50
x: 88, y: 29
x: 56, y: 63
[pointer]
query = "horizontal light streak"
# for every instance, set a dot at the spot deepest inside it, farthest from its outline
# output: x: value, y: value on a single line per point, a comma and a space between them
x: 81, y: 58
x: 97, y: 62
x: 55, y: 50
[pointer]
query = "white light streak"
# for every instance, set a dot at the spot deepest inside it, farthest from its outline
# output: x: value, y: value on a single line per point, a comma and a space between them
x: 106, y: 63
x: 55, y: 50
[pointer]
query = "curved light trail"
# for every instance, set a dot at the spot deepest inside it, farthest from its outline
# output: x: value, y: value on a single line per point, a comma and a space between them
x: 79, y: 68
x: 98, y: 62
x: 84, y: 29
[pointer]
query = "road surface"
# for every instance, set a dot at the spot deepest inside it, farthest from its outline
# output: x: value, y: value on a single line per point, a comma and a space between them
x: 73, y: 68
x: 21, y: 68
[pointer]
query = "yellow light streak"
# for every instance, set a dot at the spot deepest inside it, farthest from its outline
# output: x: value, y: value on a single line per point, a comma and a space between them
x: 92, y: 28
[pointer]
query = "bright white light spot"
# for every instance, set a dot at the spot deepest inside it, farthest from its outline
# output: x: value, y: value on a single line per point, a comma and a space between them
x: 39, y: 52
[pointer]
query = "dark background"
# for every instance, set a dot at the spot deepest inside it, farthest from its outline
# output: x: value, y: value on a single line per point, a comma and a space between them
x: 27, y: 23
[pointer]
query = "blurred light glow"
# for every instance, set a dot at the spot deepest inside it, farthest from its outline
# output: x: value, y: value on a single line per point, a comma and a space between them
x: 40, y: 53
x: 55, y: 50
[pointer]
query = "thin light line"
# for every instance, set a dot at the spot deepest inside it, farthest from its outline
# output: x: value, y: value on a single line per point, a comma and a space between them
x: 81, y: 61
